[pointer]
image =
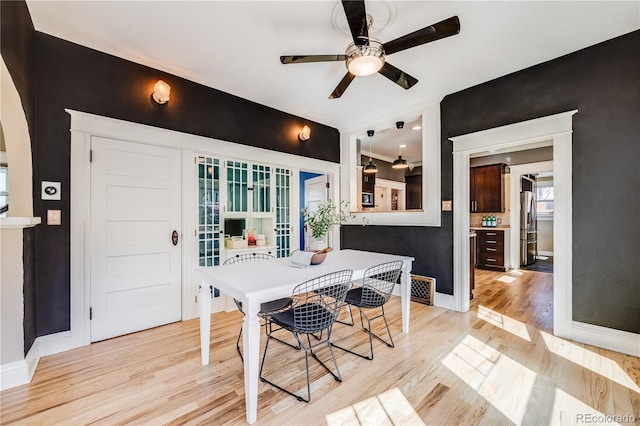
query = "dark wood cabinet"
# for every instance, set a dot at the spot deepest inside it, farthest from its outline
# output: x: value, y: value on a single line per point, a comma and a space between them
x: 368, y: 182
x: 486, y: 189
x: 414, y: 191
x: 490, y: 249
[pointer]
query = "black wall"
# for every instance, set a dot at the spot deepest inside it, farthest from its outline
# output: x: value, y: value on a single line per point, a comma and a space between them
x: 603, y: 83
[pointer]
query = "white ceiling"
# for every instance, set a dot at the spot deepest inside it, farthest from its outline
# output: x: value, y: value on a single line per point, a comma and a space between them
x: 234, y: 46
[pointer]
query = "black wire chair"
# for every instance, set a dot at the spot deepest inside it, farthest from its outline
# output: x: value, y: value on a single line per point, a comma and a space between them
x: 316, y: 305
x: 266, y: 307
x: 375, y: 291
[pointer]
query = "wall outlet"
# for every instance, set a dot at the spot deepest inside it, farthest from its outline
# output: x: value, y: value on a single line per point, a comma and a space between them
x: 446, y: 205
x: 54, y: 217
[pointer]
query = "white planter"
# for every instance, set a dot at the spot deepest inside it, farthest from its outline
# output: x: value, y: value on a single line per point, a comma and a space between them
x: 317, y: 243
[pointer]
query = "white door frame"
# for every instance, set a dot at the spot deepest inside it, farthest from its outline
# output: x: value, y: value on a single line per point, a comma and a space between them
x: 558, y: 128
x: 83, y: 127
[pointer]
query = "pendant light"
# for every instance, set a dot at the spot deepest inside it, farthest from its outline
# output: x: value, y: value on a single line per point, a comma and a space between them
x: 371, y: 167
x: 400, y: 163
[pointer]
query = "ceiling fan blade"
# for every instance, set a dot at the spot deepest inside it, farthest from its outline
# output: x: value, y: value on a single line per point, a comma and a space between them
x: 398, y: 76
x: 342, y: 86
x: 298, y: 59
x: 357, y: 19
x: 442, y: 29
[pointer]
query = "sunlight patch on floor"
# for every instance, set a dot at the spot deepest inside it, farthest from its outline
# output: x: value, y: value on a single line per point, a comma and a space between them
x: 568, y: 410
x: 506, y: 279
x: 503, y: 382
x: 589, y: 360
x: 506, y: 323
x: 515, y: 273
x: 388, y: 408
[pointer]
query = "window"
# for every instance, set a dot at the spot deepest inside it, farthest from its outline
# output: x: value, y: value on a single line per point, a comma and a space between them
x: 4, y: 191
x: 544, y: 198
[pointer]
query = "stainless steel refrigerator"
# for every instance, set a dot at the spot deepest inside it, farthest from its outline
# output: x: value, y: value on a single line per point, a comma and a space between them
x: 528, y: 228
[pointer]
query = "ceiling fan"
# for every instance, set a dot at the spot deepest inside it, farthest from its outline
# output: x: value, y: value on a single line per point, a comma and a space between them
x: 367, y: 55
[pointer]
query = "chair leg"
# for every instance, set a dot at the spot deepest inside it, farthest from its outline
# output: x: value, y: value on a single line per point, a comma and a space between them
x: 268, y: 325
x: 238, y: 344
x: 371, y: 334
x: 384, y: 318
x: 350, y: 314
x: 307, y: 351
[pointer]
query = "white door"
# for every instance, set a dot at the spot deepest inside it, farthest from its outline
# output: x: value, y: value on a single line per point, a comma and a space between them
x: 135, y: 266
x: 316, y: 192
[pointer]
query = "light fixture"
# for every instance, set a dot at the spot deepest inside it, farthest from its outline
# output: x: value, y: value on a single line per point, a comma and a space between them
x: 371, y: 167
x: 400, y: 163
x: 161, y: 92
x: 305, y: 133
x: 365, y: 59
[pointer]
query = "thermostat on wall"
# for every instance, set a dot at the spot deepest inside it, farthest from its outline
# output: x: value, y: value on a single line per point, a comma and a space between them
x: 50, y: 190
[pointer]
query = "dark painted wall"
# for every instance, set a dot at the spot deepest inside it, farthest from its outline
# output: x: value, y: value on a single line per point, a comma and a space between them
x: 603, y: 83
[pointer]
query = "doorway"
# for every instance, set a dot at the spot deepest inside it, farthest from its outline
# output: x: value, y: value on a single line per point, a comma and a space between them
x: 557, y: 129
x: 314, y: 190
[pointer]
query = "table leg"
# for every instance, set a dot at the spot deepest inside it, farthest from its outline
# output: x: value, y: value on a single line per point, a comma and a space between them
x: 405, y: 293
x: 251, y: 351
x: 204, y: 303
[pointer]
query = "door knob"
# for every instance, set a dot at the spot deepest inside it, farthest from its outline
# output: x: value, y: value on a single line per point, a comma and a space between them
x: 174, y: 238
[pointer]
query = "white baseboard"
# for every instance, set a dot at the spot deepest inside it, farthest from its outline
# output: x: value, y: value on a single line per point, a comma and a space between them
x: 616, y: 340
x: 545, y: 253
x: 14, y: 374
x: 444, y: 301
x: 21, y: 372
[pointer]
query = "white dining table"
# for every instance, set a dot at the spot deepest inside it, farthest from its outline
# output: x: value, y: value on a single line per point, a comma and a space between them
x: 261, y: 281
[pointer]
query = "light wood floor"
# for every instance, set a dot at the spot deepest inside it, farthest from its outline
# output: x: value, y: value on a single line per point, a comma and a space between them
x: 496, y: 364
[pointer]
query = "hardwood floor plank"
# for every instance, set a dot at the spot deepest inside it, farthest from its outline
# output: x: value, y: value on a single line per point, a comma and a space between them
x: 499, y: 363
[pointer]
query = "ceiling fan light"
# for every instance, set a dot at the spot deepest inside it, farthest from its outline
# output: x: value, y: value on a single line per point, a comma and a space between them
x: 366, y: 59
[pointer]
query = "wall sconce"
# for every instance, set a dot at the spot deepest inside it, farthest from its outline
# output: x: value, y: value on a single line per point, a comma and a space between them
x: 305, y: 133
x: 161, y: 92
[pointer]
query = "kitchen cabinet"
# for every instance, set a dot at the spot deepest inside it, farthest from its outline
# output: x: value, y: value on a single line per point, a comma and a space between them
x: 492, y: 249
x: 487, y: 189
x: 368, y: 182
x: 248, y: 189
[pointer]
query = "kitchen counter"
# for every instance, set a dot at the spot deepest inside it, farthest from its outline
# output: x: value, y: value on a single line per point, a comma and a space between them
x: 484, y: 228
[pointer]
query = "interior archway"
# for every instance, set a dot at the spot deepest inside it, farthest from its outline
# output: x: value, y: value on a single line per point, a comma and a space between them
x: 18, y: 146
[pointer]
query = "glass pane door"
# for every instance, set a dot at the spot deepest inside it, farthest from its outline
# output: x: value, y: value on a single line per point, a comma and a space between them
x: 209, y: 237
x: 237, y: 186
x: 283, y: 211
x: 261, y: 176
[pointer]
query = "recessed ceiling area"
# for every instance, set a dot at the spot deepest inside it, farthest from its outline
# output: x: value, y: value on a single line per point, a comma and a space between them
x: 234, y: 46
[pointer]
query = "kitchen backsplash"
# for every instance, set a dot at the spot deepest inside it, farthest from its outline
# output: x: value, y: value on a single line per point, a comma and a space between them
x: 475, y: 219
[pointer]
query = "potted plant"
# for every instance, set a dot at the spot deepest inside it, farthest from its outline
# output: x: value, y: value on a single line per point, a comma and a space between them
x: 322, y: 219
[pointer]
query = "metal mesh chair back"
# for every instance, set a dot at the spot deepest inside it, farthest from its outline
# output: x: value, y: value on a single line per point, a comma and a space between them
x: 378, y: 283
x: 317, y: 302
x: 248, y: 257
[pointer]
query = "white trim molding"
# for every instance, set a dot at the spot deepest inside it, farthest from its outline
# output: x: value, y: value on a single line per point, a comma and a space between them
x: 556, y: 128
x: 19, y: 222
x: 616, y: 340
x: 21, y: 372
